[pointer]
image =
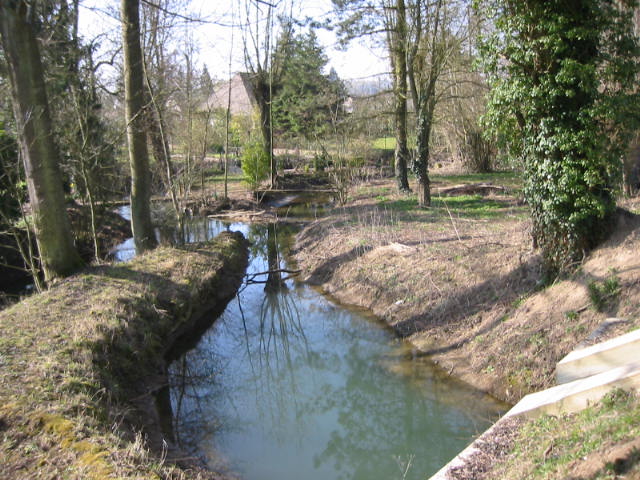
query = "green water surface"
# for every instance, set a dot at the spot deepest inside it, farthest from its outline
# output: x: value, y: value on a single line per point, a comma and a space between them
x: 288, y: 385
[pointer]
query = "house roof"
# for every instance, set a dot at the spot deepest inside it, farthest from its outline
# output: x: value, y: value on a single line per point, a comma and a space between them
x: 243, y: 100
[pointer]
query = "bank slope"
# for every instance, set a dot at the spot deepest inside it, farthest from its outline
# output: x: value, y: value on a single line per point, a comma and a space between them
x: 80, y: 364
x: 466, y: 288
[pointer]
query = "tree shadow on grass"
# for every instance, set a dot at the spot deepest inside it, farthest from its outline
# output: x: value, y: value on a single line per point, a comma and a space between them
x: 508, y: 289
x: 323, y: 272
x: 460, y: 306
x: 124, y: 275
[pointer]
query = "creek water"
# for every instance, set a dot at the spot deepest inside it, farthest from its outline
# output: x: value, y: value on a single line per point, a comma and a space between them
x: 288, y: 384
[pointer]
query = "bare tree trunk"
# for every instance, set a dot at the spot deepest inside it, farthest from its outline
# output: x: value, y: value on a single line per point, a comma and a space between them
x: 397, y: 47
x: 58, y: 255
x: 402, y: 151
x: 189, y: 152
x: 265, y: 69
x: 155, y: 88
x: 92, y: 210
x: 203, y: 155
x: 630, y: 164
x: 143, y: 234
x: 160, y: 146
x: 227, y: 125
x: 227, y: 133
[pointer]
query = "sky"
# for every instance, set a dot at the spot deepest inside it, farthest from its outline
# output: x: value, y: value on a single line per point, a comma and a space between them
x: 213, y: 37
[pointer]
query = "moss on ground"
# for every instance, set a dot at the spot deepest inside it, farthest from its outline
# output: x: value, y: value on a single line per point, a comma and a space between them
x: 80, y: 363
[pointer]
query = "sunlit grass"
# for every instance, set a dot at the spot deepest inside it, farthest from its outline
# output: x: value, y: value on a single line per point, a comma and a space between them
x: 547, y: 448
x: 465, y: 206
x: 385, y: 143
x: 509, y: 179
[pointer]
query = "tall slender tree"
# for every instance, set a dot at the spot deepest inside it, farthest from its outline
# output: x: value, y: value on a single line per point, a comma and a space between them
x: 159, y: 26
x: 58, y: 255
x: 143, y: 233
x: 397, y: 43
x: 264, y: 67
x: 359, y: 18
x: 435, y: 34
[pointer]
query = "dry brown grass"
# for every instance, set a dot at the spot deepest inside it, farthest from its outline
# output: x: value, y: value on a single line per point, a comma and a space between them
x: 79, y: 364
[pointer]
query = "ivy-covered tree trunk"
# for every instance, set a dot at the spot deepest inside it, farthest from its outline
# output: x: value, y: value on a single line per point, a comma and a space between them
x: 262, y: 91
x: 58, y: 255
x: 143, y: 233
x: 569, y: 189
x: 423, y: 90
x: 427, y: 58
x: 421, y: 162
x: 566, y: 106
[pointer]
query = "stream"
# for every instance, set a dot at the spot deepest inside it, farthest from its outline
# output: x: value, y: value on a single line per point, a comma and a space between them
x: 288, y: 384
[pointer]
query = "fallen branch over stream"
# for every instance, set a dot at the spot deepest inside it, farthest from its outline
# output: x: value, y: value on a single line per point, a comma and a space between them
x: 251, y: 278
x: 237, y: 213
x: 470, y: 189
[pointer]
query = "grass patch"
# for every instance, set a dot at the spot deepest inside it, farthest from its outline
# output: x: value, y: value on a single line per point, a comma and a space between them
x: 472, y: 206
x: 219, y: 177
x: 384, y: 143
x: 512, y: 180
x: 604, y: 293
x: 554, y: 447
x: 469, y: 206
x: 464, y: 206
x: 398, y: 205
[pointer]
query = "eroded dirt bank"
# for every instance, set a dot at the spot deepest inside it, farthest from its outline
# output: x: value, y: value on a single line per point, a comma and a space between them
x: 80, y: 363
x: 461, y: 281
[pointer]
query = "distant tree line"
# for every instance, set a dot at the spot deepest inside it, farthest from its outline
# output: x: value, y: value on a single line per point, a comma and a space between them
x: 555, y: 94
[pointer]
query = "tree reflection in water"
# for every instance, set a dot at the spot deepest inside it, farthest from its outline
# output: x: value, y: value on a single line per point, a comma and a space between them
x: 287, y: 385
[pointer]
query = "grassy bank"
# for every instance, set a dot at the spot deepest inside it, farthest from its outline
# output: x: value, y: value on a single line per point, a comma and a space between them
x: 598, y: 443
x: 80, y: 363
x: 462, y: 282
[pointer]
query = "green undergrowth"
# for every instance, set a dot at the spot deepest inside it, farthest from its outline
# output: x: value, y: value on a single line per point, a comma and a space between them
x: 603, y: 293
x: 510, y: 180
x: 384, y: 143
x: 79, y: 363
x: 472, y: 207
x: 463, y: 206
x: 598, y: 443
